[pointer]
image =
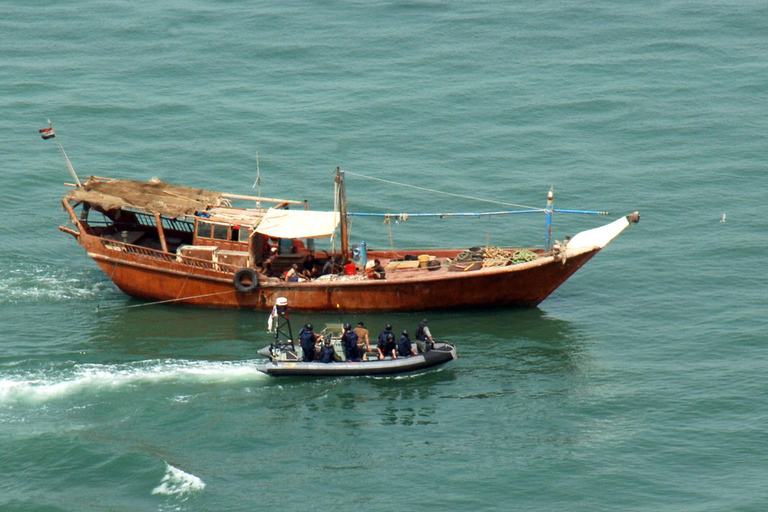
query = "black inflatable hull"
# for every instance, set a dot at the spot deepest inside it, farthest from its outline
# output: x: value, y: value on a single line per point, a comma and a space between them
x: 441, y: 354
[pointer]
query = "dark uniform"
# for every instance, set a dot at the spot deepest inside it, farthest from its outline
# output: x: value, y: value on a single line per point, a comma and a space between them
x: 308, y: 340
x: 327, y: 353
x: 349, y: 342
x: 422, y: 337
x: 386, y: 344
x: 404, y: 346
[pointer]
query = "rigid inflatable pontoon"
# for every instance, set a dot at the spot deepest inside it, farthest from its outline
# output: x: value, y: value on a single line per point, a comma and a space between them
x: 284, y: 362
x: 285, y: 356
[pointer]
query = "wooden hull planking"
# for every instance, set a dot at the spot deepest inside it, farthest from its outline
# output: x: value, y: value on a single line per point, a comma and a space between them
x: 145, y: 276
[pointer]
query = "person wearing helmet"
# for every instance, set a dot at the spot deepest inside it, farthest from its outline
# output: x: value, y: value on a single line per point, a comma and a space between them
x: 327, y: 354
x: 386, y: 346
x: 349, y: 342
x: 404, y: 346
x: 308, y: 342
x: 424, y: 340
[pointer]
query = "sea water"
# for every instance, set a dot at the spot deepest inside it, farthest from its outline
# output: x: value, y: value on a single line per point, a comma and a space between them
x: 640, y: 384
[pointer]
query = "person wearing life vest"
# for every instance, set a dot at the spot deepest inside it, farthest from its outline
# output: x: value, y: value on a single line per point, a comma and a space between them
x: 404, y: 346
x: 386, y: 346
x: 308, y: 341
x: 424, y: 340
x: 349, y: 342
x: 327, y: 353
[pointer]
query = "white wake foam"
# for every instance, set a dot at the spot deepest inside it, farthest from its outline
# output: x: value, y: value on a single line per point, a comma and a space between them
x: 32, y: 282
x: 178, y: 483
x: 85, y: 378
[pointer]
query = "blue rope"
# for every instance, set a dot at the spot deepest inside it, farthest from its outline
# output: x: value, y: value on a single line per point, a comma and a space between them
x: 470, y: 214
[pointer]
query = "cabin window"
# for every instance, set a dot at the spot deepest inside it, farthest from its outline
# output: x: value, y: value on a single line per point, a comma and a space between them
x: 243, y: 234
x: 204, y: 229
x: 220, y: 232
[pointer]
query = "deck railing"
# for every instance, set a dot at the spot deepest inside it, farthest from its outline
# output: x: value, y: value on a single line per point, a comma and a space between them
x: 177, y: 259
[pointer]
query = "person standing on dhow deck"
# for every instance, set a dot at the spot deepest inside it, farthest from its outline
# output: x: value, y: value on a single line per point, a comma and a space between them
x: 422, y: 336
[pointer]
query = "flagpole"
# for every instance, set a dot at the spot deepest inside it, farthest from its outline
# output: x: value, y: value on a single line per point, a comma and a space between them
x: 258, y: 180
x: 69, y: 164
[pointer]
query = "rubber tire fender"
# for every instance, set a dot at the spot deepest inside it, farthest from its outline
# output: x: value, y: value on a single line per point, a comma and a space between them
x: 246, y: 274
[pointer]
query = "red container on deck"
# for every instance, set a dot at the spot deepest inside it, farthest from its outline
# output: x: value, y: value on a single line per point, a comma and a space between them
x: 350, y: 268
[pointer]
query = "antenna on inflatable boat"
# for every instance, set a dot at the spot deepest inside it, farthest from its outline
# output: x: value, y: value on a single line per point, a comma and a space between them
x: 281, y: 321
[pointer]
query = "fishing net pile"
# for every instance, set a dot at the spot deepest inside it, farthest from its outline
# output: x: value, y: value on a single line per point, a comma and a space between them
x: 495, y: 256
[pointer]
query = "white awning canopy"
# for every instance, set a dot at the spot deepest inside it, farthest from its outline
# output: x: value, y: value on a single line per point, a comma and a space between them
x: 298, y: 224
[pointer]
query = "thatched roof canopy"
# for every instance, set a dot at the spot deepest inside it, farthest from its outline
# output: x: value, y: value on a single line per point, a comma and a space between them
x: 151, y: 197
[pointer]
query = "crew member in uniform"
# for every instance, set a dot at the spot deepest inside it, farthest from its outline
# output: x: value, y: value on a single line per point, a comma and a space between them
x: 349, y: 342
x: 423, y: 336
x: 308, y: 341
x: 327, y: 353
x: 404, y: 346
x: 386, y: 346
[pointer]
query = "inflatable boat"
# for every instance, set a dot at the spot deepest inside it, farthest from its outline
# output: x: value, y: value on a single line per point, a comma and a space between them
x: 286, y: 356
x: 286, y: 360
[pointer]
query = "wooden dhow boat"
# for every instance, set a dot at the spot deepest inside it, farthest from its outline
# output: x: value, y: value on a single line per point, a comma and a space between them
x: 181, y: 245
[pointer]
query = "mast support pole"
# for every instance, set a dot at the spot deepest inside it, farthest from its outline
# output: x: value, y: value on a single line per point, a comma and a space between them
x: 64, y: 153
x: 549, y: 210
x: 343, y: 215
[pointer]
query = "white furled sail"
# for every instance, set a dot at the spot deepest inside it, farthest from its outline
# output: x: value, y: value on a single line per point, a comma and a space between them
x: 600, y: 237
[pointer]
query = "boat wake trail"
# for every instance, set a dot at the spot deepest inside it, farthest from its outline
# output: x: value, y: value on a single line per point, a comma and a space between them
x: 33, y: 282
x: 51, y: 384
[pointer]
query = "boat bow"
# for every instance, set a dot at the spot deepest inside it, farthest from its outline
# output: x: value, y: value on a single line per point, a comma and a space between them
x: 598, y: 238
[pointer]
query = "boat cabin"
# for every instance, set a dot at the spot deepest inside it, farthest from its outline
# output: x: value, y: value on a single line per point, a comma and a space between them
x: 197, y: 226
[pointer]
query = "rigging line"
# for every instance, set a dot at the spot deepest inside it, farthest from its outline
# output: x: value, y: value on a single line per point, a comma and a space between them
x: 388, y: 222
x: 184, y: 284
x: 472, y: 214
x: 469, y: 214
x: 441, y: 192
x: 172, y: 300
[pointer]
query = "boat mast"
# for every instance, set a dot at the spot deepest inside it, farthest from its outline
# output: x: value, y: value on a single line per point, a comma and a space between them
x: 343, y: 216
x: 64, y: 153
x: 549, y: 209
x: 258, y: 181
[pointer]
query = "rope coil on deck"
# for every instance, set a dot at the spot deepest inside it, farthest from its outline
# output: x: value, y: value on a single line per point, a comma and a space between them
x: 496, y: 256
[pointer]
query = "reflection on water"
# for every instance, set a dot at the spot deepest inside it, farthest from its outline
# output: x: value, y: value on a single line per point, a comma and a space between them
x: 520, y: 341
x: 412, y: 399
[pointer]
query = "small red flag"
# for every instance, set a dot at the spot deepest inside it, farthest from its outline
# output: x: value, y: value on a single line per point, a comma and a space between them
x: 47, y: 133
